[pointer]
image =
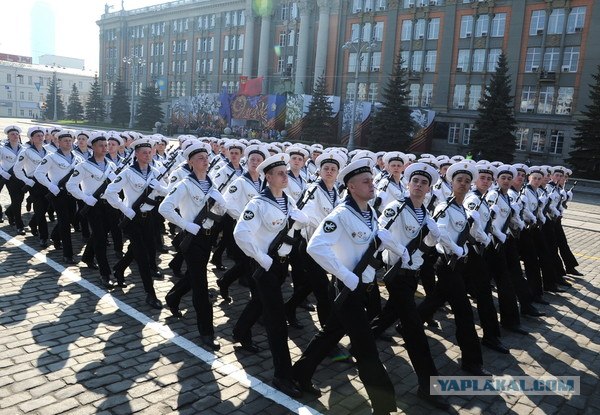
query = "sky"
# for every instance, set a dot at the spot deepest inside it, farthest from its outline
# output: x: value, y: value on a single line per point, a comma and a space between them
x: 73, y: 22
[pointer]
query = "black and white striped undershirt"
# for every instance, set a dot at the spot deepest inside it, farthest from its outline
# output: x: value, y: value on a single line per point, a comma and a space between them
x: 102, y: 165
x: 282, y: 204
x: 257, y: 185
x: 204, y: 185
x: 368, y: 218
x: 331, y: 194
x: 420, y: 215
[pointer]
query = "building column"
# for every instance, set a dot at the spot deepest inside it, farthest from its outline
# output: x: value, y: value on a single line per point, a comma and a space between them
x: 305, y: 7
x: 264, y: 48
x: 248, y: 40
x: 322, y: 39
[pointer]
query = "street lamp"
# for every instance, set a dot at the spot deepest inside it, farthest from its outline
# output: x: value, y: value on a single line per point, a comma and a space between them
x: 357, y: 46
x: 138, y: 62
x: 17, y: 99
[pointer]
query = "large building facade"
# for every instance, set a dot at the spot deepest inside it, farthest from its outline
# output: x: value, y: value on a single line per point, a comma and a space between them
x: 26, y: 86
x: 450, y: 48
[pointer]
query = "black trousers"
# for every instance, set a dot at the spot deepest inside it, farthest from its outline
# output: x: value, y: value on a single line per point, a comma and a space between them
x: 549, y: 234
x: 64, y: 206
x: 242, y: 266
x: 451, y: 287
x: 401, y: 305
x: 316, y: 281
x: 40, y: 207
x: 351, y: 318
x: 115, y: 231
x: 529, y: 256
x: 195, y: 279
x: 563, y: 246
x: 141, y: 240
x: 14, y: 187
x: 82, y: 221
x: 267, y: 300
x: 226, y: 226
x: 478, y: 279
x: 428, y: 272
x: 515, y: 272
x: 497, y: 267
x: 98, y: 217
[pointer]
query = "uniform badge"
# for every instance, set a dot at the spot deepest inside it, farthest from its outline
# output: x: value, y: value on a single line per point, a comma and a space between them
x: 173, y: 179
x: 172, y: 191
x: 443, y: 215
x: 118, y: 179
x: 21, y: 158
x: 232, y: 189
x: 248, y: 215
x: 75, y: 173
x: 388, y: 213
x: 490, y: 203
x: 329, y: 226
x: 44, y: 161
x: 472, y: 205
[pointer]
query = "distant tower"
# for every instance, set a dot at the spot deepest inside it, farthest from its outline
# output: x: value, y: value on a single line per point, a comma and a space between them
x: 43, y: 29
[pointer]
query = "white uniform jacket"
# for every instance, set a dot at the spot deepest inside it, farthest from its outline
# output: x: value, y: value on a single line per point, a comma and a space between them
x: 189, y: 198
x: 178, y: 175
x: 239, y: 193
x: 554, y: 200
x: 388, y: 190
x: 404, y: 229
x: 318, y: 206
x: 471, y: 204
x: 53, y: 168
x: 260, y: 223
x: 88, y: 177
x: 296, y: 186
x: 500, y: 203
x: 440, y: 191
x: 8, y: 158
x: 451, y: 223
x: 225, y: 176
x: 28, y: 160
x: 341, y: 240
x: 533, y: 210
x: 133, y: 184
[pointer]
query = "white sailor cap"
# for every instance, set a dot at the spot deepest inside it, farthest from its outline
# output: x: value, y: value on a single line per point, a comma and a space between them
x: 487, y: 168
x: 256, y: 149
x: 568, y: 172
x: 115, y: 136
x: 64, y: 133
x: 422, y: 169
x: 537, y: 170
x: 432, y: 161
x: 444, y: 161
x: 141, y: 143
x: 506, y: 169
x: 244, y: 141
x: 82, y: 133
x: 379, y: 154
x: 520, y: 166
x: 272, y: 148
x: 52, y: 129
x: 34, y: 129
x: 361, y: 165
x: 185, y: 144
x: 196, y: 147
x: 286, y: 144
x: 496, y: 163
x: 296, y: 150
x: 461, y: 167
x: 361, y: 154
x: 317, y: 147
x: 427, y: 156
x: 410, y: 158
x: 334, y: 157
x: 96, y: 136
x: 10, y: 128
x: 457, y: 158
x: 131, y: 135
x: 395, y: 156
x: 276, y: 160
x: 159, y: 138
x: 233, y: 144
x: 547, y: 169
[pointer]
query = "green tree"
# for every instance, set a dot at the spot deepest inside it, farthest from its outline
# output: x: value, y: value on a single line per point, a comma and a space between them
x: 94, y: 107
x: 119, y: 107
x: 75, y: 108
x: 60, y: 106
x: 318, y: 122
x: 149, y: 108
x: 494, y: 135
x: 392, y: 127
x: 585, y: 156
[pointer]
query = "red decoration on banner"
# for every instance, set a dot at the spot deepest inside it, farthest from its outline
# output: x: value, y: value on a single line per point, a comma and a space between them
x: 250, y: 87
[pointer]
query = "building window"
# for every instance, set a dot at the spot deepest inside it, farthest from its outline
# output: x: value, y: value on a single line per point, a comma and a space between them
x: 8, y: 95
x: 467, y: 130
x: 478, y: 60
x: 576, y: 20
x: 413, y: 95
x: 427, y: 95
x: 557, y: 139
x: 30, y: 96
x: 571, y: 59
x: 493, y: 57
x: 546, y: 100
x: 466, y: 26
x: 556, y: 22
x: 522, y: 139
x: 405, y: 57
x: 538, y: 140
x: 498, y: 25
x: 362, y: 91
x: 481, y: 27
x: 366, y: 32
x: 420, y: 29
x: 433, y: 28
x: 464, y: 56
x: 430, y: 60
x: 460, y: 92
x: 406, y: 30
x: 538, y: 20
x: 533, y: 59
x: 351, y: 62
x: 355, y: 32
x: 375, y: 61
x: 22, y: 95
x: 417, y: 61
x: 373, y: 89
x: 564, y: 100
x: 378, y: 32
x: 551, y: 59
x: 474, y: 96
x: 528, y: 99
x: 453, y: 133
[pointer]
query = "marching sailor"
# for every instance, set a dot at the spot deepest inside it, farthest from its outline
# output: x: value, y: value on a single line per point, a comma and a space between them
x: 9, y: 153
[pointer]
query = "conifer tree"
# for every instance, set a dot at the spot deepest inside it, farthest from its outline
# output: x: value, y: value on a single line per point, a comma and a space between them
x: 75, y: 108
x: 60, y: 106
x: 149, y: 108
x: 120, y: 106
x: 318, y: 122
x: 94, y: 107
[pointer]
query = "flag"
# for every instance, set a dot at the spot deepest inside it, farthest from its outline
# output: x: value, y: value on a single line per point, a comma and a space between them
x: 250, y: 87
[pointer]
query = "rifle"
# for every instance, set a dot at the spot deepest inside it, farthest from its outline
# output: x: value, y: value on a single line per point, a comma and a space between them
x: 183, y: 239
x: 61, y: 184
x: 100, y: 190
x: 570, y: 190
x: 366, y: 260
x: 465, y: 235
x: 143, y: 198
x: 378, y: 200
